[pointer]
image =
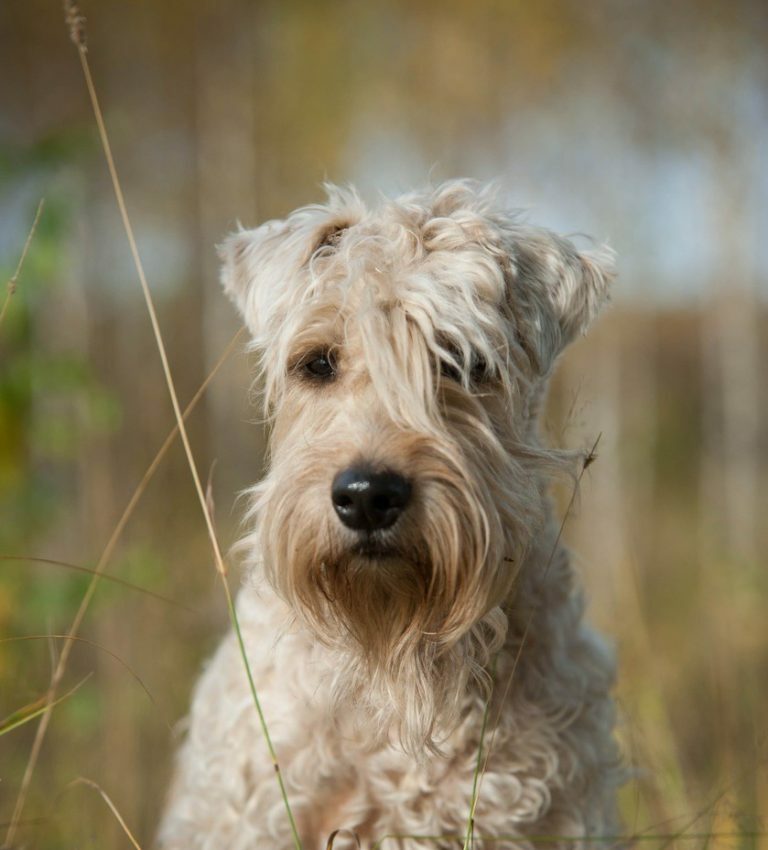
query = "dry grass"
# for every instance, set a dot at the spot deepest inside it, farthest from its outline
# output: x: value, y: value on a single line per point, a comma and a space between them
x: 89, y: 783
x: 96, y: 575
x: 76, y: 24
x: 10, y: 288
x: 668, y: 805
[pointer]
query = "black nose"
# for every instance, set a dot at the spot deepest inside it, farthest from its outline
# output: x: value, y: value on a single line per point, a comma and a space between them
x: 369, y: 501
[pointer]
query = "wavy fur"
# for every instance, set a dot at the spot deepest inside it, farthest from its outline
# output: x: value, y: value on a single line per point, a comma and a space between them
x: 444, y: 315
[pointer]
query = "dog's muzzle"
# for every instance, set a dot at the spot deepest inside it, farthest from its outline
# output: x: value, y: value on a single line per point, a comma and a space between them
x: 369, y: 501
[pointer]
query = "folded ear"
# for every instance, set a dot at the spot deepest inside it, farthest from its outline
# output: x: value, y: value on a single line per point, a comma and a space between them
x: 266, y: 269
x: 582, y: 288
x: 250, y: 261
x: 556, y: 290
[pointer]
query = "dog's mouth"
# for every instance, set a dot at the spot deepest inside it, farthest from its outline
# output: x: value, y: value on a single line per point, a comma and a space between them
x: 378, y: 561
x: 372, y: 549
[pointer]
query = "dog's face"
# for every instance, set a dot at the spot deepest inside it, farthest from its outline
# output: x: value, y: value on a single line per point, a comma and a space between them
x: 403, y: 353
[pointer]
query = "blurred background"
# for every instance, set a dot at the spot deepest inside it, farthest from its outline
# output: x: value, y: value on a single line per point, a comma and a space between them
x: 641, y: 123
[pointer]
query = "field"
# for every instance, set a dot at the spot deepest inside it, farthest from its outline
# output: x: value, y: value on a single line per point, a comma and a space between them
x: 668, y: 529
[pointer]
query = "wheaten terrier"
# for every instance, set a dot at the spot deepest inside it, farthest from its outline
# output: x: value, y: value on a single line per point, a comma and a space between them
x: 405, y: 578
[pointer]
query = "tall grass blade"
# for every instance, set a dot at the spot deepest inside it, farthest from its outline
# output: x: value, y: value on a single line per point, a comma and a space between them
x: 78, y: 568
x: 98, y: 571
x: 34, y: 709
x: 12, y: 283
x: 78, y: 35
x: 112, y: 807
x: 73, y: 638
x: 588, y: 460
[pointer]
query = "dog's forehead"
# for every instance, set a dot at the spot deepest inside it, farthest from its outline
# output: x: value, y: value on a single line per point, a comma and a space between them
x: 390, y: 303
x: 390, y: 260
x: 449, y: 263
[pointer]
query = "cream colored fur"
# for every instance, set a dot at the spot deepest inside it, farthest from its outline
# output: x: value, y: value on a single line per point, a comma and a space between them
x: 442, y: 315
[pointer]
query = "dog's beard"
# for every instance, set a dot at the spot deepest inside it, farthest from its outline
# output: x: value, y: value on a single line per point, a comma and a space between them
x: 373, y: 596
x: 412, y: 614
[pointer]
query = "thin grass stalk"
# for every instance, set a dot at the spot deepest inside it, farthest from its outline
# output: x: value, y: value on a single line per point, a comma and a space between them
x: 113, y: 808
x: 78, y: 568
x: 665, y: 743
x: 469, y: 837
x: 95, y: 645
x: 11, y: 285
x: 77, y: 32
x: 589, y: 459
x: 28, y: 713
x: 104, y: 559
x: 577, y: 840
x: 670, y: 840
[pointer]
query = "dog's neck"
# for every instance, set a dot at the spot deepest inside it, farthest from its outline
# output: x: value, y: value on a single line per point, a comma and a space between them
x: 418, y: 704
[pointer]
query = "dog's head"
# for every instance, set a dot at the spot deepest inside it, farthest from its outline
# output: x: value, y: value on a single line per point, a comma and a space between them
x: 403, y: 352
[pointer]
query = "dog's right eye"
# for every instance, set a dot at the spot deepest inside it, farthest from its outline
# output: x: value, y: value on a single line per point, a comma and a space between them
x: 319, y: 366
x: 478, y: 368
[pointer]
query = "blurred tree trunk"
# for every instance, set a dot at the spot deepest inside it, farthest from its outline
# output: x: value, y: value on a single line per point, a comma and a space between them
x: 606, y: 478
x: 599, y: 541
x: 739, y: 349
x: 639, y: 404
x: 730, y: 361
x: 730, y: 469
x: 228, y: 175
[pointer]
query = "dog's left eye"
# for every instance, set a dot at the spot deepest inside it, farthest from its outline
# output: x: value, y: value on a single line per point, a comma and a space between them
x: 319, y: 366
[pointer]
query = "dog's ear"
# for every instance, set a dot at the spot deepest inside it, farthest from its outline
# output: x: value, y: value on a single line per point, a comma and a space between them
x: 556, y: 290
x: 264, y: 270
x: 260, y: 267
x: 251, y: 274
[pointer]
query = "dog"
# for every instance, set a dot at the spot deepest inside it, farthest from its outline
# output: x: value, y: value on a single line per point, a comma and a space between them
x: 414, y: 629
